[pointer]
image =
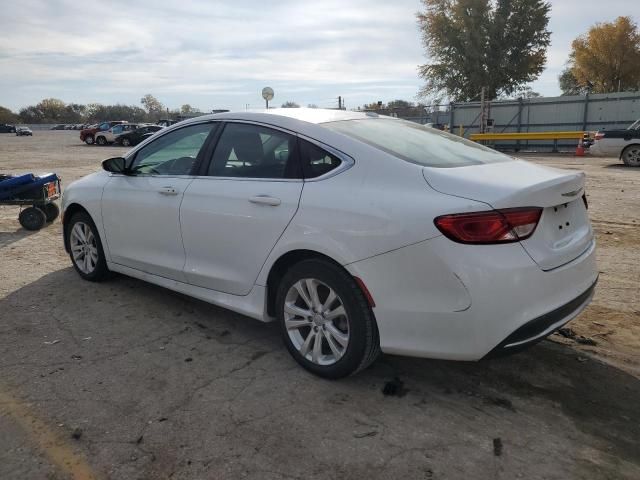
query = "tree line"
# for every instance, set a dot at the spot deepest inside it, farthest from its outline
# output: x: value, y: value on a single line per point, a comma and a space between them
x: 501, y: 46
x: 53, y: 110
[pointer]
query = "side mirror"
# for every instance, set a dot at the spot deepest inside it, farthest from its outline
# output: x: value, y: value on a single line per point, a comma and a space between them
x: 115, y: 165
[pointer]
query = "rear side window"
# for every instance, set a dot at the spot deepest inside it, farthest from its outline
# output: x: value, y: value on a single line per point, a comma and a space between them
x: 416, y: 143
x: 254, y: 151
x: 315, y: 160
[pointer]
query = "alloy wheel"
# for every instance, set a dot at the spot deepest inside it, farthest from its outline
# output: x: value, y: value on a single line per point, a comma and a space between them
x: 316, y: 321
x: 632, y: 156
x: 84, y: 248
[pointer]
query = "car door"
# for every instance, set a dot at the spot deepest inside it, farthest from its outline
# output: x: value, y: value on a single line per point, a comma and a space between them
x: 234, y: 213
x: 140, y: 211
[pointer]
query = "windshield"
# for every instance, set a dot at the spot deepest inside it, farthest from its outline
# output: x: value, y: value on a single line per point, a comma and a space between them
x: 417, y: 143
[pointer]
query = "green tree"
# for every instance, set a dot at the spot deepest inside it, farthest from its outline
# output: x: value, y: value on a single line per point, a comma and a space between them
x: 497, y: 44
x: 569, y: 84
x: 7, y: 116
x: 290, y: 104
x: 399, y: 104
x: 607, y: 58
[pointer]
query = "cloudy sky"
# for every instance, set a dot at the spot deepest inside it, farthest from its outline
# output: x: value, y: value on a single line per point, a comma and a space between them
x: 215, y: 54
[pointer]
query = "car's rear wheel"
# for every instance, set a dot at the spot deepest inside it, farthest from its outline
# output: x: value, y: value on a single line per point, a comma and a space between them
x: 85, y: 248
x: 325, y: 320
x: 125, y: 142
x: 631, y: 156
x: 89, y: 140
x: 101, y: 141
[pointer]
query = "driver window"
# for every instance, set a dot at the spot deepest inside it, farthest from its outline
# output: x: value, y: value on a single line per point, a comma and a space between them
x: 254, y: 151
x: 174, y: 153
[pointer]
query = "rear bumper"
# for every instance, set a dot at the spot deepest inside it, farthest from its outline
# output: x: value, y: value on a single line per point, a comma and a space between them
x: 598, y: 149
x: 440, y: 299
x: 539, y: 328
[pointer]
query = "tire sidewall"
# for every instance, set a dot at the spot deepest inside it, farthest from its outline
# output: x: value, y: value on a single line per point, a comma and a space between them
x: 358, y: 313
x: 101, y: 270
x: 624, y: 156
x: 89, y: 140
x: 40, y: 219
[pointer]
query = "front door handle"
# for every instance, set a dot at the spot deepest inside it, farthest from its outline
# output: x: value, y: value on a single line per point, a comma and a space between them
x: 265, y: 200
x: 167, y: 191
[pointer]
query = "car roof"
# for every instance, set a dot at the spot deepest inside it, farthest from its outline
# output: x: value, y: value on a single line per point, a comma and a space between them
x: 309, y: 115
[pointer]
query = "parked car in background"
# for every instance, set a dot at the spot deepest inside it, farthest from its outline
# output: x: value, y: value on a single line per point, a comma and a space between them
x: 136, y: 136
x: 6, y: 128
x: 166, y: 122
x: 60, y: 126
x: 109, y: 136
x: 621, y: 143
x: 278, y: 215
x: 88, y: 135
x: 24, y: 132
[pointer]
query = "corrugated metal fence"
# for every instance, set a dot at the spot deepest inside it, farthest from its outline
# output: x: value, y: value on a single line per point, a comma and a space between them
x: 588, y: 112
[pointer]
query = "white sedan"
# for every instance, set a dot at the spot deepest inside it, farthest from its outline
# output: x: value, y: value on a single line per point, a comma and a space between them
x: 356, y: 232
x: 624, y: 144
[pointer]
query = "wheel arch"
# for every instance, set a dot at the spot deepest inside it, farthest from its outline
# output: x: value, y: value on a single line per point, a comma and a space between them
x: 69, y: 212
x: 280, y: 267
x: 635, y: 144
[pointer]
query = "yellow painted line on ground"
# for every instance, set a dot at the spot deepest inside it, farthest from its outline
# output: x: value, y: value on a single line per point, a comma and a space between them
x: 53, y: 445
x: 527, y: 136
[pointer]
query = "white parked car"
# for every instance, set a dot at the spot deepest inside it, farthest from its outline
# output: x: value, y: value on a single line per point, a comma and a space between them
x: 357, y: 233
x: 111, y: 135
x: 623, y: 144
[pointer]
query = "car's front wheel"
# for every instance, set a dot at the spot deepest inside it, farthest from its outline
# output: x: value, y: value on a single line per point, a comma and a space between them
x: 85, y: 248
x: 631, y: 156
x: 89, y: 140
x: 325, y: 320
x: 101, y: 141
x: 125, y: 142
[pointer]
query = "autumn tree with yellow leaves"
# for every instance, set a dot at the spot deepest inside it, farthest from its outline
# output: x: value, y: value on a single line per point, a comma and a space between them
x: 606, y: 59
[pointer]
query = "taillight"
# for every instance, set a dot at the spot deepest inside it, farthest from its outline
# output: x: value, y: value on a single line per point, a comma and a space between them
x: 498, y: 226
x: 599, y: 136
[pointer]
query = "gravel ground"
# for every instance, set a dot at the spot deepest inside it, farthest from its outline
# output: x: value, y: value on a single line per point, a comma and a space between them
x: 125, y: 380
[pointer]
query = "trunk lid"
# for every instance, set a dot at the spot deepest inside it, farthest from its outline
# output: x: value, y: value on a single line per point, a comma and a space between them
x: 564, y: 231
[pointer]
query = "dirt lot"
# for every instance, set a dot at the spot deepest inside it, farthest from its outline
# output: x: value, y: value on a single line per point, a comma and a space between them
x: 124, y: 380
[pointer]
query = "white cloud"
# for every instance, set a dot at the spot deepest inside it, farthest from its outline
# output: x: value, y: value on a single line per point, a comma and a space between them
x: 214, y: 54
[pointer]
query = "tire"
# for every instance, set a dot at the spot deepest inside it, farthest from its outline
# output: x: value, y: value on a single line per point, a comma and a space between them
x: 51, y: 211
x: 89, y: 140
x: 32, y: 218
x: 125, y: 142
x: 101, y: 141
x: 354, y: 334
x: 85, y: 248
x: 631, y: 156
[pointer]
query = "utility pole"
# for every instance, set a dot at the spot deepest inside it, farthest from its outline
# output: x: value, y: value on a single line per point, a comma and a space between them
x: 339, y: 102
x: 483, y: 117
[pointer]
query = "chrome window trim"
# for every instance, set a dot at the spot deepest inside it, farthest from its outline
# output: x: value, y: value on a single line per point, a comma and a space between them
x: 346, y: 162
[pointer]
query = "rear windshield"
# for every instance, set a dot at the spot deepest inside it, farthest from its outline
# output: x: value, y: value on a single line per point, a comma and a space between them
x: 416, y: 143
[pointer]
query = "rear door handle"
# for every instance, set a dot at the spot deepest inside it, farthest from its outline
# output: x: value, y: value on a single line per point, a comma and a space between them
x: 167, y: 191
x: 265, y: 200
